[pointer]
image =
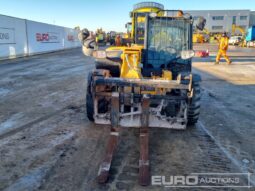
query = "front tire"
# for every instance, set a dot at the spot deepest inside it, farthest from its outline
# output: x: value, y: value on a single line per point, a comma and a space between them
x: 194, y: 106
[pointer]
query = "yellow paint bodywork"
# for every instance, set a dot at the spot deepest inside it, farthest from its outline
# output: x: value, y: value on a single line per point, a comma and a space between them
x: 167, y: 75
x: 131, y: 59
x: 132, y: 56
x: 130, y: 68
x: 131, y: 63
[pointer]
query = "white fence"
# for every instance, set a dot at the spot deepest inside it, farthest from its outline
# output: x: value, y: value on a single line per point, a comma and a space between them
x: 19, y: 37
x: 13, y: 41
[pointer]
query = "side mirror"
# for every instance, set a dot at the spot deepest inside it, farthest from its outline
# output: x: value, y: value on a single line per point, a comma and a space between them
x: 83, y: 34
x: 187, y: 54
x: 131, y: 14
x: 201, y: 23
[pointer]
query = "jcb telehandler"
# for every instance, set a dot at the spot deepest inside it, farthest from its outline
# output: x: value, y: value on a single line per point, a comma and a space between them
x: 148, y: 84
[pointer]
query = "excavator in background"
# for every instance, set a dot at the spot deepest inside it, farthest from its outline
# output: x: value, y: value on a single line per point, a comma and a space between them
x: 205, y: 35
x: 242, y: 31
x: 201, y: 36
x: 147, y: 84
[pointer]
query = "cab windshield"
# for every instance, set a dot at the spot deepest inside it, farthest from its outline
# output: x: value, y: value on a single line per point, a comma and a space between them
x: 168, y: 35
x: 166, y: 38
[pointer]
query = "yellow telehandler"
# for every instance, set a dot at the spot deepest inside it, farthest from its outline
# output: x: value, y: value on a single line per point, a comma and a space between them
x: 148, y: 84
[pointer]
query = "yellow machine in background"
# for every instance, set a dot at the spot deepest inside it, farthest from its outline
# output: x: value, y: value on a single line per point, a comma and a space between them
x: 198, y: 38
x: 242, y: 31
x: 100, y: 37
x: 204, y: 36
x: 238, y: 28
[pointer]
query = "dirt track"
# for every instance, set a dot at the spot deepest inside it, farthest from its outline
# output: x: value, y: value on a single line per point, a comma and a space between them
x: 47, y: 143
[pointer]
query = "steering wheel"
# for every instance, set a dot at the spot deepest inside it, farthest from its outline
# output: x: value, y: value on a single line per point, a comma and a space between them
x: 173, y: 52
x: 170, y: 49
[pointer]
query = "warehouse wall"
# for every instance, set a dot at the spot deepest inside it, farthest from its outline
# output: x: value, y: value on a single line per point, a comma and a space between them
x: 225, y: 23
x: 252, y: 18
x: 19, y: 37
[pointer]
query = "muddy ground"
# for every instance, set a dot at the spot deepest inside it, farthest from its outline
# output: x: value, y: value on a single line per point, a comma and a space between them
x: 47, y: 143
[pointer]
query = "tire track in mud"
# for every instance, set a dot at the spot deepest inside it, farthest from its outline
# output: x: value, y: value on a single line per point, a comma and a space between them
x: 229, y: 129
x: 228, y: 155
x: 35, y: 177
x: 30, y: 124
x: 193, y: 151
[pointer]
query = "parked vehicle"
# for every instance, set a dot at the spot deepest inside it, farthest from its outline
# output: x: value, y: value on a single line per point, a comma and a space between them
x: 235, y: 40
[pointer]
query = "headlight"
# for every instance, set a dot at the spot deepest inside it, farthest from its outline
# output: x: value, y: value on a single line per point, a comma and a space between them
x: 113, y: 53
x: 187, y: 54
x: 100, y: 54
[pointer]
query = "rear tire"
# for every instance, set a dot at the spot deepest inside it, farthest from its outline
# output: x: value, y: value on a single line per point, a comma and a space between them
x: 89, y: 98
x: 194, y: 106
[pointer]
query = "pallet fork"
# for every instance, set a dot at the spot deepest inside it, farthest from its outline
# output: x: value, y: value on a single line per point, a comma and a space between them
x: 144, y: 174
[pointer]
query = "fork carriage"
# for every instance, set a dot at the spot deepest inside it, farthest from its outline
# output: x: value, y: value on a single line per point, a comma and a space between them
x: 167, y: 108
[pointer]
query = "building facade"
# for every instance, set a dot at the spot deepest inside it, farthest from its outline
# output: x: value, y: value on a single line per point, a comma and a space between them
x: 252, y: 18
x: 218, y: 21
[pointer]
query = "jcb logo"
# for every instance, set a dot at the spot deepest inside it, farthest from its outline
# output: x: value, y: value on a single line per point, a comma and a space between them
x: 42, y: 37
